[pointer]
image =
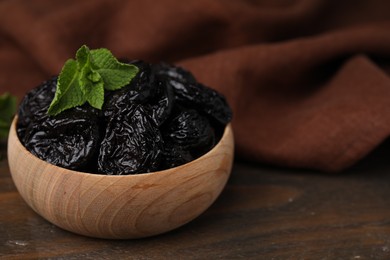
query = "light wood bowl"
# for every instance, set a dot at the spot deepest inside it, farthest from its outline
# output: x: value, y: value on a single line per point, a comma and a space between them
x: 125, y: 206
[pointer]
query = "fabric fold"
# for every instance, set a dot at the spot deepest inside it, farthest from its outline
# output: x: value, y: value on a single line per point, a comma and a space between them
x: 307, y: 80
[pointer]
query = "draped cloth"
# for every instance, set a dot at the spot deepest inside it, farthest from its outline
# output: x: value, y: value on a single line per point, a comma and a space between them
x: 308, y: 80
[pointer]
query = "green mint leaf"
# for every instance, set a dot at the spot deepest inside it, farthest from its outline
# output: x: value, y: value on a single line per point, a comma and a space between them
x: 91, y: 83
x: 7, y: 111
x: 83, y: 56
x: 94, y: 93
x: 68, y: 93
x: 85, y: 79
x: 114, y: 73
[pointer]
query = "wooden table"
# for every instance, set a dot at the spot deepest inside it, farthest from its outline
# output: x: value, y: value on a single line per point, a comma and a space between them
x: 264, y: 213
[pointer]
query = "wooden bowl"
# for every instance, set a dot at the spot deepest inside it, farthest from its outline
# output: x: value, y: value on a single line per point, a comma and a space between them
x: 125, y: 206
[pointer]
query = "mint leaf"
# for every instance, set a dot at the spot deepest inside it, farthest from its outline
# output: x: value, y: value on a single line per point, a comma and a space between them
x: 85, y: 79
x: 115, y: 74
x: 7, y: 111
x: 94, y: 93
x: 83, y: 57
x: 68, y: 93
x: 90, y: 81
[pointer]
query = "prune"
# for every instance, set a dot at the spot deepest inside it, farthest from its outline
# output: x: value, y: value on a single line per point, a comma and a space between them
x: 175, y: 73
x: 174, y: 156
x: 189, y: 131
x: 69, y: 140
x: 187, y: 136
x: 195, y: 95
x: 132, y: 143
x: 203, y: 99
x: 35, y: 104
x: 144, y: 88
x: 140, y: 89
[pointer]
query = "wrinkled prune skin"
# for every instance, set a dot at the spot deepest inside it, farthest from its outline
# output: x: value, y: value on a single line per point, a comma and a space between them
x: 132, y: 143
x: 187, y: 136
x: 174, y: 156
x: 145, y: 88
x: 162, y: 103
x: 175, y: 73
x: 69, y: 140
x: 35, y: 104
x: 203, y: 99
x: 190, y: 131
x: 140, y: 89
x: 162, y: 119
x: 192, y: 94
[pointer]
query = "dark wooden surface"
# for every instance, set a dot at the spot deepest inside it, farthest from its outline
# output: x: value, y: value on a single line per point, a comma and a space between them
x: 264, y: 213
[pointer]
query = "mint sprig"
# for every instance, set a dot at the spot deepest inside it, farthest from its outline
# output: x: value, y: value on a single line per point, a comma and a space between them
x: 85, y: 79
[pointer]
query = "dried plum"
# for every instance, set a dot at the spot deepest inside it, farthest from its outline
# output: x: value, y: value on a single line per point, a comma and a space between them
x: 192, y: 94
x: 187, y: 136
x: 35, y: 104
x: 140, y: 89
x: 174, y: 156
x: 132, y: 144
x: 190, y: 131
x: 179, y: 75
x: 144, y: 88
x: 69, y: 140
x: 203, y: 99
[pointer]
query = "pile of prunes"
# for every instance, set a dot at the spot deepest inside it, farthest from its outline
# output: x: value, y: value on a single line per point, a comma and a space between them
x: 162, y: 119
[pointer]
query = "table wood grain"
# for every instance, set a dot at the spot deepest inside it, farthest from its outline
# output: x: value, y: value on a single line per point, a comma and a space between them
x: 264, y: 213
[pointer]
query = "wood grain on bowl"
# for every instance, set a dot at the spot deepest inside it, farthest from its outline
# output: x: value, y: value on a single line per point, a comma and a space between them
x: 127, y: 206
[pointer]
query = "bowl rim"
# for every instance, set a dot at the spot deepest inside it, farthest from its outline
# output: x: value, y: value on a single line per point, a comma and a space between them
x: 226, y: 132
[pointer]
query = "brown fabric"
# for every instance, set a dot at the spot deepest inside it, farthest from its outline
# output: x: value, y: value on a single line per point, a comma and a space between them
x: 307, y: 79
